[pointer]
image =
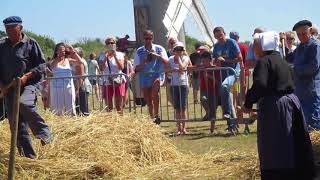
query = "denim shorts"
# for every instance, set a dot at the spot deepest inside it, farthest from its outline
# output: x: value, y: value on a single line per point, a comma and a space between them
x: 179, y: 96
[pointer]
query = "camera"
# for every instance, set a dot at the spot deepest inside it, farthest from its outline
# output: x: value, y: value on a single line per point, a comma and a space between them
x: 149, y: 55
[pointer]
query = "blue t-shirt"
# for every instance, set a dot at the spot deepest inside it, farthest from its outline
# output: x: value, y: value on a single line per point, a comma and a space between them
x: 155, y: 65
x: 228, y: 51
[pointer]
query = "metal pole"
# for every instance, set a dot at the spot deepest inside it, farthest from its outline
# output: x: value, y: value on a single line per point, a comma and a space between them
x: 15, y: 120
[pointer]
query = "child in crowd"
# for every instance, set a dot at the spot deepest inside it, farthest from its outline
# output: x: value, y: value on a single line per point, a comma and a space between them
x: 209, y: 88
x: 178, y: 63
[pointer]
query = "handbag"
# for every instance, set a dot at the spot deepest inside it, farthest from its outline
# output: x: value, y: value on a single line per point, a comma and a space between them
x: 114, y: 79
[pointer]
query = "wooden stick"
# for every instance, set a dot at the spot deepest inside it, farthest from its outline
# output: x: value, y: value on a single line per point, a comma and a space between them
x: 283, y: 50
x: 15, y: 119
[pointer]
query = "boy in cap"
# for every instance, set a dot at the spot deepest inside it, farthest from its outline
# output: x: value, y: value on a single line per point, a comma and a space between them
x: 209, y: 87
x: 21, y: 56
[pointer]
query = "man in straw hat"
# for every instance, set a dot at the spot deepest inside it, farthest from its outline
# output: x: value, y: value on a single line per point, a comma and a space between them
x: 21, y: 56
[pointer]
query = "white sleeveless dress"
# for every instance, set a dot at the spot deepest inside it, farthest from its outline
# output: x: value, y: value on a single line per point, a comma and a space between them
x: 62, y: 91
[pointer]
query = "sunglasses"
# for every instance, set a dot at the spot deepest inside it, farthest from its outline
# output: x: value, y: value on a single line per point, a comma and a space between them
x: 110, y: 43
x: 179, y: 49
x: 290, y: 38
x: 148, y: 38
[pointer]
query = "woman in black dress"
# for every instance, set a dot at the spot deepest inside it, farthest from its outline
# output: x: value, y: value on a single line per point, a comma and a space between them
x: 284, y: 146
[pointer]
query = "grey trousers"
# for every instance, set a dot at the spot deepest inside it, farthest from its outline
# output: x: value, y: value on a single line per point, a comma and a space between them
x: 28, y: 118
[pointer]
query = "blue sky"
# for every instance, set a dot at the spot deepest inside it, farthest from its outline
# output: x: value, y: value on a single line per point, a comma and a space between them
x: 73, y: 19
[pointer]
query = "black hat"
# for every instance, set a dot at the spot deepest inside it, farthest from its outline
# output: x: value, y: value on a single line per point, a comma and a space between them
x: 302, y: 23
x: 12, y: 20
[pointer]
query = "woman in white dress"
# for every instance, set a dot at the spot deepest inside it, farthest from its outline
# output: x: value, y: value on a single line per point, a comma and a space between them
x: 62, y: 91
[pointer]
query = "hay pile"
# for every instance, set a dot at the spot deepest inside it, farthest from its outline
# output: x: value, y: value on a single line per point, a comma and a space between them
x: 121, y: 147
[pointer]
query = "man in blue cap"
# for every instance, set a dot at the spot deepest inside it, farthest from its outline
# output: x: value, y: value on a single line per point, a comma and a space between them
x: 306, y: 59
x: 21, y: 56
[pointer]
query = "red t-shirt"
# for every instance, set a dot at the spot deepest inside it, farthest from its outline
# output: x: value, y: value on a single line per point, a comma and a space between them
x: 244, y: 50
x: 209, y: 81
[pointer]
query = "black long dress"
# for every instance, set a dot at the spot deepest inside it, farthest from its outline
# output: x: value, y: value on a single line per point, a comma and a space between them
x: 284, y: 146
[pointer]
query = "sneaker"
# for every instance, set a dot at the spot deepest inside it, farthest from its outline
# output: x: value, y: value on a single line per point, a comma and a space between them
x: 205, y: 117
x: 184, y: 131
x: 226, y: 116
x: 178, y: 133
x: 27, y: 155
x: 157, y: 120
x: 46, y: 141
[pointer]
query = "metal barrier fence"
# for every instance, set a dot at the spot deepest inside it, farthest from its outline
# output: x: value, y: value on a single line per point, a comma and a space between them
x: 104, y: 91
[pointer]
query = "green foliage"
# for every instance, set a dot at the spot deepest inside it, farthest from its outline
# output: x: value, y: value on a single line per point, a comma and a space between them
x: 2, y: 34
x: 247, y: 43
x: 46, y: 43
x: 190, y: 42
x: 90, y: 46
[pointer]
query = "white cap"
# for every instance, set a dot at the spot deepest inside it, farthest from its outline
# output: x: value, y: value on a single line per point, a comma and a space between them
x: 269, y: 40
x: 178, y: 44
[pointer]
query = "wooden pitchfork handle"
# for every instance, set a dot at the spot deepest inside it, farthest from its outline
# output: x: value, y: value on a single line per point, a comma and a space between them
x: 14, y: 118
x: 3, y: 90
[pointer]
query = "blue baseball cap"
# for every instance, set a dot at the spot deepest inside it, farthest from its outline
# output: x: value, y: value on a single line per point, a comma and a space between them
x: 12, y: 20
x: 234, y: 35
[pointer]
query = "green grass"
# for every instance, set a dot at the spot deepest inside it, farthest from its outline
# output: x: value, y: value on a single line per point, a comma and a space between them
x: 200, y: 140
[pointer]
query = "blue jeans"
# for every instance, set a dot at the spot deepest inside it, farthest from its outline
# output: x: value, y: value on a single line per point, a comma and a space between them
x: 226, y: 85
x: 310, y: 103
x: 28, y: 118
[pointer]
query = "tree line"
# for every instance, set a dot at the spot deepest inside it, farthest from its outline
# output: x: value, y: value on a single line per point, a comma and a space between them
x: 96, y: 45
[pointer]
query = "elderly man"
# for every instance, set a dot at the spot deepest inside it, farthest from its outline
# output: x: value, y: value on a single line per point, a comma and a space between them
x: 21, y: 56
x: 150, y: 57
x: 227, y: 54
x: 306, y: 60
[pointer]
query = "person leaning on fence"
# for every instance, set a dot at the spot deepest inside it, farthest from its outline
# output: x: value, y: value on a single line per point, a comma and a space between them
x: 284, y: 146
x: 149, y: 60
x: 195, y: 60
x: 306, y: 62
x: 171, y: 43
x: 115, y: 82
x: 21, y: 56
x: 84, y: 89
x: 93, y: 70
x: 127, y: 70
x: 227, y: 54
x: 238, y: 94
x: 209, y: 87
x: 178, y: 63
x: 62, y: 90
